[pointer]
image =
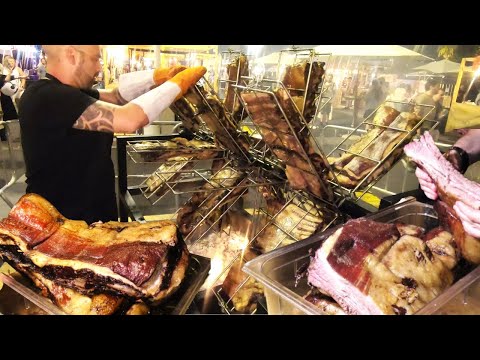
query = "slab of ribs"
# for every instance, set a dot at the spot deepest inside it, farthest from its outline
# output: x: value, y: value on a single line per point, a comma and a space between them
x: 290, y: 139
x: 374, y: 146
x: 237, y: 68
x: 451, y: 186
x: 207, y: 203
x: 91, y: 269
x: 165, y: 150
x: 289, y: 223
x: 199, y: 106
x: 369, y: 267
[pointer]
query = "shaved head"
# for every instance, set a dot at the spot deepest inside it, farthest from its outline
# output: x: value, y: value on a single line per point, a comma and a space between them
x: 75, y: 65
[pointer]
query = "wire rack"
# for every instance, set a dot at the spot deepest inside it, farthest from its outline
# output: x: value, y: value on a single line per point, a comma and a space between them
x: 203, y: 113
x: 359, y: 187
x: 234, y: 66
x: 288, y: 136
x: 295, y: 217
x: 141, y: 151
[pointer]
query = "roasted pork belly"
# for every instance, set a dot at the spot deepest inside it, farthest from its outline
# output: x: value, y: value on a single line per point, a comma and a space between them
x: 146, y: 261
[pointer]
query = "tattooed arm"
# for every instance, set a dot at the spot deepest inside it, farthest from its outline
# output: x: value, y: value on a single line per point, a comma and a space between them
x: 103, y: 116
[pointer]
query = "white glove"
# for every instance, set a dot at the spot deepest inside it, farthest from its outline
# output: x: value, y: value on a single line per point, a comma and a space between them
x: 469, y: 217
x: 427, y: 184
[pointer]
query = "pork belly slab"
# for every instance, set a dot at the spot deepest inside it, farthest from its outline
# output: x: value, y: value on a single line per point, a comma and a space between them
x: 452, y: 186
x: 146, y: 261
x: 371, y: 268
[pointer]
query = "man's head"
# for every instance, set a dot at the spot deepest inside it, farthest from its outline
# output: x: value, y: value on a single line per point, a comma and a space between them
x: 432, y: 85
x: 74, y: 65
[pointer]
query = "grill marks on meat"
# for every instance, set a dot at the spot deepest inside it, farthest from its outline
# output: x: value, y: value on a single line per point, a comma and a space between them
x: 202, y: 202
x: 379, y: 144
x: 136, y: 262
x: 452, y: 186
x: 370, y: 268
x: 295, y: 154
x: 237, y: 68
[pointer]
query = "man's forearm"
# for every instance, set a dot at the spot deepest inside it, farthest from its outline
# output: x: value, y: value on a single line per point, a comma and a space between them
x: 112, y: 96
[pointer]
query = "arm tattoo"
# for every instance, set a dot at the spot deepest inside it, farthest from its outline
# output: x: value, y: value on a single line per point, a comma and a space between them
x: 96, y: 118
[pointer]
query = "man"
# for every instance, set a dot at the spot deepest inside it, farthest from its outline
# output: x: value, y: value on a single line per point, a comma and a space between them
x: 67, y: 127
x: 465, y: 152
x: 432, y: 87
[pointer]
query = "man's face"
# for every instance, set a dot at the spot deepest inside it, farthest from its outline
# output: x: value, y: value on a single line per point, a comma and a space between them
x: 435, y: 89
x: 87, y: 65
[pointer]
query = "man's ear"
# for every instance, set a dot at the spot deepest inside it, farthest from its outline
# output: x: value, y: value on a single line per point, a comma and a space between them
x: 71, y: 55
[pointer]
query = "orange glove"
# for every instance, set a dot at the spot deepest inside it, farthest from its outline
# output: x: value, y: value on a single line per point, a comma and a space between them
x: 160, y: 75
x: 187, y: 78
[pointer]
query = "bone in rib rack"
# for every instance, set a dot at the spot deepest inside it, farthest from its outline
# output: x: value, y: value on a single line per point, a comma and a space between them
x: 382, y: 135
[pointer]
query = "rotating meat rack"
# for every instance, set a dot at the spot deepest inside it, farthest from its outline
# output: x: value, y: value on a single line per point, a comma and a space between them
x: 238, y: 193
x: 203, y: 113
x: 372, y: 134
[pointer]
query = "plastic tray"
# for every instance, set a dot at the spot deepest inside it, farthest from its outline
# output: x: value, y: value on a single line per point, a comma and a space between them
x: 19, y: 296
x: 276, y: 270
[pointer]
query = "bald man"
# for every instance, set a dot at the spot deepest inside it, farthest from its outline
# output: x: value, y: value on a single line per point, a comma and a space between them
x: 67, y: 127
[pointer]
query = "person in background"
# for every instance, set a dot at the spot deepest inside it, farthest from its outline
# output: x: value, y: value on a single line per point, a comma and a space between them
x: 327, y: 95
x: 432, y: 87
x: 67, y: 127
x: 463, y: 153
x: 8, y: 99
x: 42, y: 68
x: 398, y: 98
x: 373, y: 98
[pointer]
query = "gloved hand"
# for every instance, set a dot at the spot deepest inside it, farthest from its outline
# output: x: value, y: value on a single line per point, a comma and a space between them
x: 188, y: 77
x: 160, y: 75
x: 469, y: 217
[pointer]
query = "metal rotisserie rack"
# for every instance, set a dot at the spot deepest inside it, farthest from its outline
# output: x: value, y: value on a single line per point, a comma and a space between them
x: 235, y: 193
x: 374, y: 146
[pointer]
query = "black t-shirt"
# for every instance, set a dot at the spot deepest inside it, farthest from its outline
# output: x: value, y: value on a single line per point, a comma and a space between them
x: 71, y: 168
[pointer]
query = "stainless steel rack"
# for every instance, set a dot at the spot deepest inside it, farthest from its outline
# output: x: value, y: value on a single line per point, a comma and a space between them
x: 372, y: 177
x: 204, y: 109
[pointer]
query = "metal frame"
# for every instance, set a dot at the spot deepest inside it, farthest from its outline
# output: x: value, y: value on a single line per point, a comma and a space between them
x: 204, y: 129
x: 293, y: 132
x: 408, y: 134
x: 12, y: 128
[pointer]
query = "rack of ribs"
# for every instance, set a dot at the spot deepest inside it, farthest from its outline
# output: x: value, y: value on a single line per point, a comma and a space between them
x: 289, y: 139
x: 376, y: 151
x: 302, y: 81
x: 204, y: 205
x: 201, y: 105
x: 237, y: 68
x: 166, y: 150
x: 451, y: 186
x: 140, y: 261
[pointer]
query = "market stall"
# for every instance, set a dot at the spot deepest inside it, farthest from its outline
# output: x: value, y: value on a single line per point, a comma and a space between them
x: 235, y: 213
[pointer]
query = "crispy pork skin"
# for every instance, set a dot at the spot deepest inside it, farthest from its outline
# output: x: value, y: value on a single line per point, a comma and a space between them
x: 452, y: 186
x: 145, y: 261
x: 369, y: 268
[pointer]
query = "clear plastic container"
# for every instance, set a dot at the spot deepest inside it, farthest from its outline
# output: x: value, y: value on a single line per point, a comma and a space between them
x: 276, y: 270
x: 19, y: 297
